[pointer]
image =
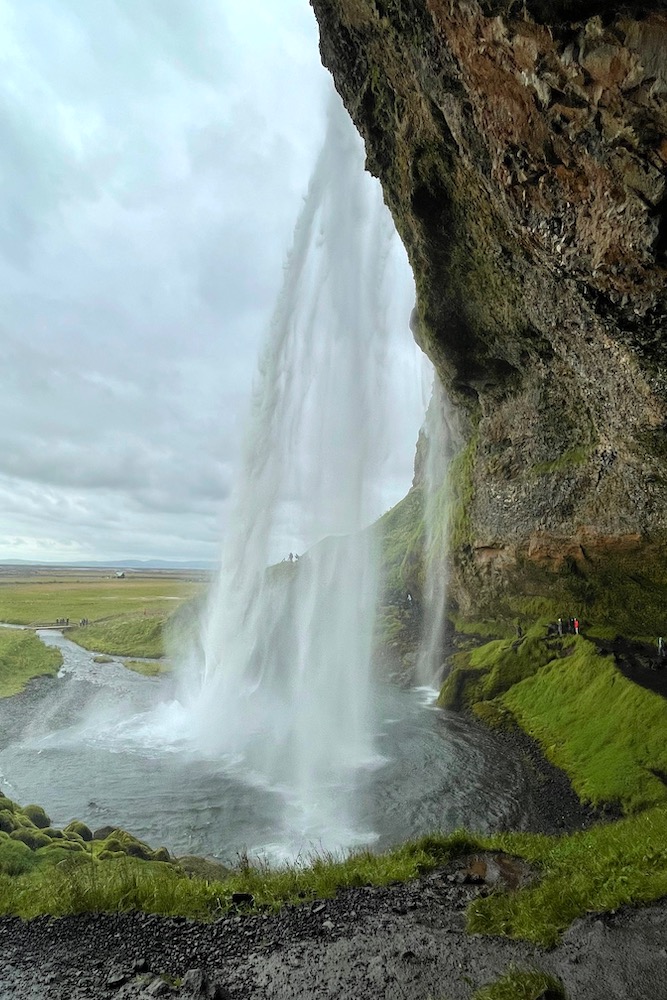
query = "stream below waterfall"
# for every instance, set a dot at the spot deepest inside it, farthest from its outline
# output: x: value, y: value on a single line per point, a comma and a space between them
x: 95, y: 744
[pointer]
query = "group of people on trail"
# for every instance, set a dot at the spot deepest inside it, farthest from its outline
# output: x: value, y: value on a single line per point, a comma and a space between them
x: 563, y: 626
x: 62, y: 621
x: 292, y: 557
x: 84, y: 622
x: 570, y: 625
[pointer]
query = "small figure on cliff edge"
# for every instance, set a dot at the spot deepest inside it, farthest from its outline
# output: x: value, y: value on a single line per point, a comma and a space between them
x: 661, y: 648
x: 560, y: 626
x: 576, y: 626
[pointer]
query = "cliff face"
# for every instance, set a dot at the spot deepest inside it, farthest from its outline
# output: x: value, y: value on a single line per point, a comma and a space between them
x: 522, y: 154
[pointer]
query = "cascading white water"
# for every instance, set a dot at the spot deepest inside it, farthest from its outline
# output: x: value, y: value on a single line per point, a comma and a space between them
x: 281, y: 681
x: 437, y: 434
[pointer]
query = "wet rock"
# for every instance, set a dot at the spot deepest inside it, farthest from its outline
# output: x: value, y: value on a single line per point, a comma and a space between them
x: 117, y: 977
x: 243, y: 899
x: 196, y: 985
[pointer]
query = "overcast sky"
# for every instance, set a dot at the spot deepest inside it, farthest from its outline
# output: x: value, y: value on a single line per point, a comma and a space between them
x: 154, y: 155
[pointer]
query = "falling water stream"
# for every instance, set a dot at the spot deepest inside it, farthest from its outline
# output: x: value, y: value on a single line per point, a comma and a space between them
x: 272, y: 736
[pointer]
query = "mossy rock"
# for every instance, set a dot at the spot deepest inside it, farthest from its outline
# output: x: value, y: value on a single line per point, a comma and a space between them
x: 111, y: 855
x: 80, y: 829
x: 162, y: 854
x: 75, y: 838
x: 7, y: 804
x: 37, y: 816
x: 7, y: 821
x: 58, y: 851
x: 495, y: 715
x: 31, y: 838
x: 54, y: 834
x: 105, y: 831
x: 114, y: 845
x: 137, y: 850
x: 16, y: 858
x: 202, y: 868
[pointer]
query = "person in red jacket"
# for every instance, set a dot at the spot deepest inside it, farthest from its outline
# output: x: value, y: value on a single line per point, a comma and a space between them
x: 576, y: 626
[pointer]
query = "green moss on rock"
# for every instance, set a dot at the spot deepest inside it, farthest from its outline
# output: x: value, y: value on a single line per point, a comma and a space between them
x: 37, y: 816
x: 7, y: 821
x: 31, y: 838
x: 80, y: 829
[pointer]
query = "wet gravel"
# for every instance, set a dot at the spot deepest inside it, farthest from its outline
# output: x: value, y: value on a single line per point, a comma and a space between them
x: 405, y: 941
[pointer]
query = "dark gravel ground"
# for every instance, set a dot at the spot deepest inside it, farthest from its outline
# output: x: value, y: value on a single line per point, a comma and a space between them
x: 406, y: 942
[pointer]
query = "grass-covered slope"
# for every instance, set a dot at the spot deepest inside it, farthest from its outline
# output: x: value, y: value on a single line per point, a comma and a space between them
x: 22, y: 657
x: 605, y: 732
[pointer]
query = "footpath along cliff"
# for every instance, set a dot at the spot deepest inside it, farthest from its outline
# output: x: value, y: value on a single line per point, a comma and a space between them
x: 522, y: 151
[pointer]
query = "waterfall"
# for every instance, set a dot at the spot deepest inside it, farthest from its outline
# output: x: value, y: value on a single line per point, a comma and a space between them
x: 279, y: 682
x: 438, y: 444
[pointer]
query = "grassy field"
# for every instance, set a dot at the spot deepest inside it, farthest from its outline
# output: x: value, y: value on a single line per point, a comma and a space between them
x: 22, y: 657
x: 127, y: 616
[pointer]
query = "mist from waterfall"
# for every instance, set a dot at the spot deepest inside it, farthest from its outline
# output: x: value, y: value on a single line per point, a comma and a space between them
x: 279, y: 683
x: 438, y: 446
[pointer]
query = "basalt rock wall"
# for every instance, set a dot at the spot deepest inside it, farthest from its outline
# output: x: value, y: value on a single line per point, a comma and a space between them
x: 522, y: 150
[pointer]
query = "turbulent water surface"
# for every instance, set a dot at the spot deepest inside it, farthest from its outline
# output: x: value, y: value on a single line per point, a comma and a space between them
x: 94, y: 744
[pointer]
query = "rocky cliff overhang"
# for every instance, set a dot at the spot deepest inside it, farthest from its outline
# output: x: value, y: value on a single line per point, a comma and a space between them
x: 522, y: 149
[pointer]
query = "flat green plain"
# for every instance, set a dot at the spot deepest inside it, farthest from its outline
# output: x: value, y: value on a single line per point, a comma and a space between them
x: 126, y: 616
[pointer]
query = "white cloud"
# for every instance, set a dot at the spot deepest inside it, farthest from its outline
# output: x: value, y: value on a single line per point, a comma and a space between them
x: 154, y: 156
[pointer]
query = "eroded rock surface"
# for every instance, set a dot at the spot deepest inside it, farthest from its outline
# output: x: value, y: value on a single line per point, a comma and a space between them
x: 522, y: 150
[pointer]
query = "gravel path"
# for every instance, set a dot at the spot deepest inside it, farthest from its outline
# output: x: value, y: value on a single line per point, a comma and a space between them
x: 404, y: 942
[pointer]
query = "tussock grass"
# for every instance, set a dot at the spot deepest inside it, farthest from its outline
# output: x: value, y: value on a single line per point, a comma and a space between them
x: 22, y: 657
x: 595, y: 870
x: 48, y: 882
x: 519, y: 984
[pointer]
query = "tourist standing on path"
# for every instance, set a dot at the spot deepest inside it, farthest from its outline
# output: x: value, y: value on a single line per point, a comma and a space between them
x: 576, y: 626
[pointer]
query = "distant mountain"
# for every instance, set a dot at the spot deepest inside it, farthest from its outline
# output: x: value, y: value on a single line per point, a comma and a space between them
x: 205, y: 564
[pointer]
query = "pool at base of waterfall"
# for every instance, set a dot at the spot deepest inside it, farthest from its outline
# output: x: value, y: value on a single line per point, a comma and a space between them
x: 107, y: 746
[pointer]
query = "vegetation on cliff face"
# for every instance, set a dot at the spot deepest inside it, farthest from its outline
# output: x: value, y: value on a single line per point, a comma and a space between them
x: 521, y: 150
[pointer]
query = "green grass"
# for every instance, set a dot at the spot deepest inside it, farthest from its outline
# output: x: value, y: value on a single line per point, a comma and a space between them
x: 518, y: 984
x: 604, y: 731
x: 607, y: 733
x: 147, y: 669
x: 596, y: 870
x: 22, y: 657
x: 27, y: 603
x: 401, y: 534
x: 143, y: 636
x: 490, y: 669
